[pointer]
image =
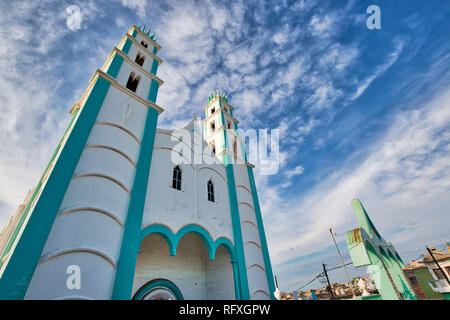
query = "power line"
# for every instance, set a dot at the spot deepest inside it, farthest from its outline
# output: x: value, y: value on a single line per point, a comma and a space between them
x: 322, y: 275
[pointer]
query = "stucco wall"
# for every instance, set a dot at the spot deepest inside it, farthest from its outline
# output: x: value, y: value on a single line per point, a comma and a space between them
x: 190, y: 269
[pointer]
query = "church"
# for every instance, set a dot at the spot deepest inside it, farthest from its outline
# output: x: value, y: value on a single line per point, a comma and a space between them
x: 126, y: 210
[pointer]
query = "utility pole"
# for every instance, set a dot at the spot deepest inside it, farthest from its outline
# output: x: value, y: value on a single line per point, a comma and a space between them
x: 435, y: 261
x: 342, y: 262
x: 330, y: 290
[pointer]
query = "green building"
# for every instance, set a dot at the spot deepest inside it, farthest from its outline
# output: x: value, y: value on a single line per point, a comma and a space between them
x: 368, y: 248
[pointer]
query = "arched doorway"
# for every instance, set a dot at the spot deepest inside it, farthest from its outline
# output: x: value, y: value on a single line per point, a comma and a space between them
x: 187, y: 265
x: 158, y: 289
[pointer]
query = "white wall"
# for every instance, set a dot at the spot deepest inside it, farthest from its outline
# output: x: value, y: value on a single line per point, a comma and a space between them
x: 174, y: 208
x: 190, y: 269
x: 88, y: 229
x: 254, y: 260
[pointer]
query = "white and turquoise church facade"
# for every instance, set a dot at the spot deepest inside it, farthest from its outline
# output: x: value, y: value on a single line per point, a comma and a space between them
x: 113, y: 217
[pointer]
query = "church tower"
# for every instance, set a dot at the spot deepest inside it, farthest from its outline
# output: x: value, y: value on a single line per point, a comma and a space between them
x: 114, y: 216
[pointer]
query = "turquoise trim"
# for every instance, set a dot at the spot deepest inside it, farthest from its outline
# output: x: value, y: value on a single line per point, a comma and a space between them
x: 237, y: 290
x: 127, y: 46
x: 174, y: 239
x: 163, y: 232
x: 155, y: 284
x: 236, y: 223
x: 134, y: 34
x: 115, y: 65
x: 262, y: 235
x: 154, y: 66
x: 24, y: 259
x: 222, y: 116
x: 155, y: 50
x: 123, y: 283
x: 153, y: 92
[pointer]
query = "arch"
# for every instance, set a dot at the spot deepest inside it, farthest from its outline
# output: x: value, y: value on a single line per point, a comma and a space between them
x: 164, y: 232
x: 188, y: 162
x: 193, y: 228
x: 260, y: 291
x: 255, y: 265
x: 105, y: 123
x: 155, y: 283
x: 94, y: 209
x: 60, y: 252
x: 247, y: 204
x: 245, y: 188
x: 174, y: 239
x: 123, y: 154
x: 228, y: 245
x: 102, y: 176
x: 218, y: 173
x: 249, y: 222
x: 253, y: 243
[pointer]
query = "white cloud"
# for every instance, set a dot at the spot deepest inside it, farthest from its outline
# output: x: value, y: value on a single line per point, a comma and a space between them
x: 322, y: 26
x: 139, y: 6
x: 399, y: 177
x: 381, y: 69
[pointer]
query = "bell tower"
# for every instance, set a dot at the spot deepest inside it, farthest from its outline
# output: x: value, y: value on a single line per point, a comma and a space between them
x: 220, y: 132
x: 86, y: 209
x: 219, y: 128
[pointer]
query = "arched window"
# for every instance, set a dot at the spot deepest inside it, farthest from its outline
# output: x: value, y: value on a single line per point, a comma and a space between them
x: 235, y: 149
x: 210, y: 191
x: 229, y: 124
x: 213, y: 148
x: 133, y: 82
x: 213, y: 126
x: 176, y: 180
x: 140, y: 58
x: 213, y: 110
x: 144, y: 44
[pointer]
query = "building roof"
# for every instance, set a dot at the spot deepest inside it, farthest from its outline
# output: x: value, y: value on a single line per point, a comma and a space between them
x: 439, y: 255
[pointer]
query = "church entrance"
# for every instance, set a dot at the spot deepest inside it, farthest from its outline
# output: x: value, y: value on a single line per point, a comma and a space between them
x: 189, y: 274
x: 158, y: 289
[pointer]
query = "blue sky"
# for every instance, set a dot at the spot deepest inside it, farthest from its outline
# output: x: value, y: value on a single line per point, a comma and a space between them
x: 362, y: 113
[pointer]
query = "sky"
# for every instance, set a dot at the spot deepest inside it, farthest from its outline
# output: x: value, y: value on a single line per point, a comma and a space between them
x: 362, y: 113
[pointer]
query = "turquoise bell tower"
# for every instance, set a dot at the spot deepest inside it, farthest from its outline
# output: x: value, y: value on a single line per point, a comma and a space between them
x: 86, y: 209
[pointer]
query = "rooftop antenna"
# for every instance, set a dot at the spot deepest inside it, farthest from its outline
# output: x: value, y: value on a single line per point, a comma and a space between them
x: 342, y: 262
